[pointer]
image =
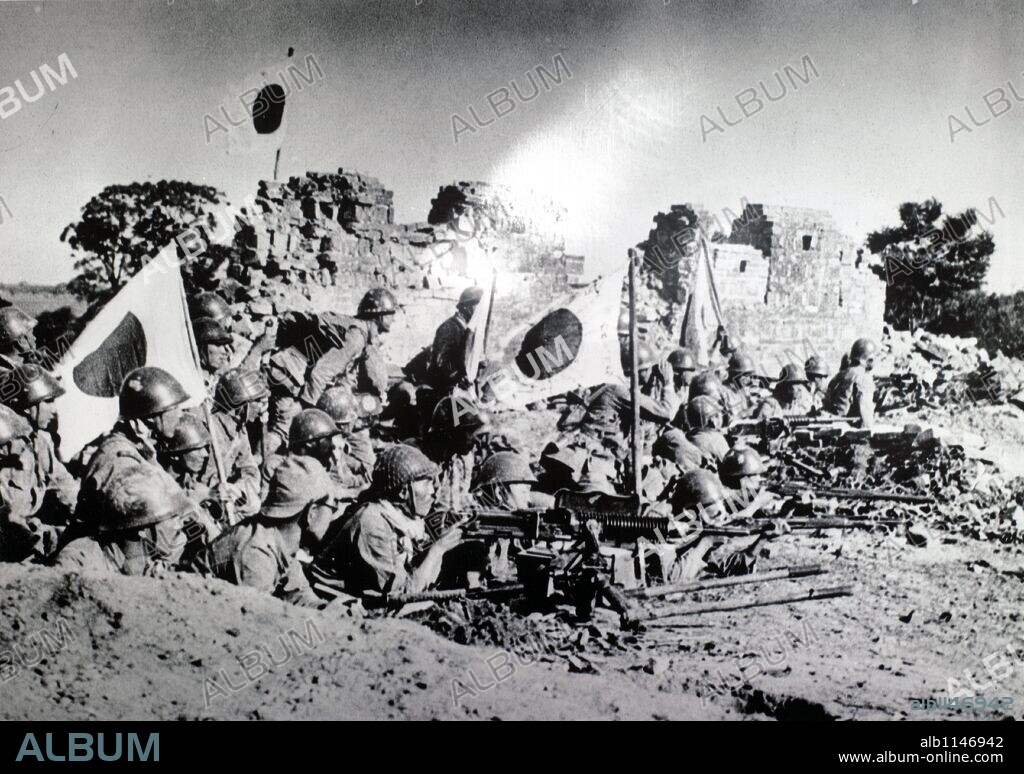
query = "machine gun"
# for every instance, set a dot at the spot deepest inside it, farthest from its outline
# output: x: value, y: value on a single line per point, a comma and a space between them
x: 771, y: 428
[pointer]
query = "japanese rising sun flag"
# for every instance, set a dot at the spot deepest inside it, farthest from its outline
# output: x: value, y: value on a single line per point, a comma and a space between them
x: 570, y: 346
x: 145, y: 324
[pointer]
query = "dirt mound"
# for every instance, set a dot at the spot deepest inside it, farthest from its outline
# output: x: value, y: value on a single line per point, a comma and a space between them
x: 112, y: 648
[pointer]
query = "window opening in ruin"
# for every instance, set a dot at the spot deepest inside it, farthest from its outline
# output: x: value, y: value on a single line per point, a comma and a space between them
x: 807, y: 241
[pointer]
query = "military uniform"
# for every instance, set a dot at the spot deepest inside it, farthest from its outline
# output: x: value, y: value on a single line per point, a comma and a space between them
x: 31, y: 472
x: 711, y: 442
x: 447, y: 365
x: 115, y: 452
x: 773, y: 407
x: 357, y: 363
x: 846, y: 392
x: 252, y: 553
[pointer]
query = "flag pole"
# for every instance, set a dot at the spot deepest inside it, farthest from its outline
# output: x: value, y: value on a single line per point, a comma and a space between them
x: 634, y: 376
x: 218, y: 460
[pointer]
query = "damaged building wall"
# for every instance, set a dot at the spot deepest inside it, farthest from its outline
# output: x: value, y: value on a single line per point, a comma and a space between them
x: 788, y: 281
x: 319, y: 241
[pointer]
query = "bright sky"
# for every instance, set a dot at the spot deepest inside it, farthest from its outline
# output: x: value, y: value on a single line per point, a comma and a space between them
x: 616, y: 143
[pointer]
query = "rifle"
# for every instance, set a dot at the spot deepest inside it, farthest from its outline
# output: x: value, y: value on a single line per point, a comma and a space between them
x: 798, y: 488
x: 833, y: 523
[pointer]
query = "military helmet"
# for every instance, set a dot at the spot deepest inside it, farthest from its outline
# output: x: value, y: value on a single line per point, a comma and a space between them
x: 504, y: 468
x: 12, y: 425
x: 703, y: 412
x: 863, y: 349
x: 189, y: 435
x: 14, y: 324
x: 792, y: 374
x: 377, y: 301
x: 148, y: 391
x: 815, y: 366
x: 239, y: 386
x: 310, y: 425
x: 645, y: 357
x: 141, y: 496
x: 209, y: 304
x: 705, y: 383
x: 682, y: 360
x: 740, y: 462
x: 697, y: 488
x: 400, y: 465
x: 339, y: 403
x: 27, y: 386
x: 740, y: 364
x: 209, y: 331
x: 471, y: 296
x: 457, y: 412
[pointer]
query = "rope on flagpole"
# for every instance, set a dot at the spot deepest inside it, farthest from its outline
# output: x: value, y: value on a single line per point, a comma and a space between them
x: 218, y: 461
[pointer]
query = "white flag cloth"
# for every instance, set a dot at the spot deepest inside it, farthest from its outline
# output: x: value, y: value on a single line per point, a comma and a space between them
x: 573, y: 345
x: 145, y: 324
x: 700, y: 325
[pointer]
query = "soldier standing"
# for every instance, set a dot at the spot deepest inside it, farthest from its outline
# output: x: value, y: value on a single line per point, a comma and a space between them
x: 852, y: 391
x: 447, y: 366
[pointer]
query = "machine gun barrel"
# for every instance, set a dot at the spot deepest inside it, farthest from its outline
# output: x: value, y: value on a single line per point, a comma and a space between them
x: 797, y: 488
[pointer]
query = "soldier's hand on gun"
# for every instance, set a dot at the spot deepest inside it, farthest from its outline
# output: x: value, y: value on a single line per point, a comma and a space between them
x: 449, y: 540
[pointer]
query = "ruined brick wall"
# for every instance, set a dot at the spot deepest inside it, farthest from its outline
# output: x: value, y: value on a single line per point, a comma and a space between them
x: 779, y: 300
x: 321, y: 240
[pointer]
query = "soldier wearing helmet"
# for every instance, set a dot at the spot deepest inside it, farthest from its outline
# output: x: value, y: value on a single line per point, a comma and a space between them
x: 453, y: 442
x: 851, y: 393
x: 240, y: 409
x: 742, y: 469
x: 684, y: 368
x: 704, y: 417
x: 214, y: 344
x: 375, y: 550
x: 354, y: 457
x: 790, y: 396
x: 446, y: 368
x: 741, y: 391
x: 698, y: 500
x: 817, y: 380
x: 17, y: 337
x: 37, y: 483
x: 150, y: 407
x: 145, y: 525
x: 261, y: 551
x: 18, y: 539
x: 355, y: 359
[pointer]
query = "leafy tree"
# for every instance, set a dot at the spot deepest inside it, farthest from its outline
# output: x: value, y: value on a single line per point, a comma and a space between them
x: 927, y: 264
x: 124, y: 226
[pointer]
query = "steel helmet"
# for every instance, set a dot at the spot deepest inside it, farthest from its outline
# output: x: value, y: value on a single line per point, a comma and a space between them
x: 504, y: 468
x: 209, y: 304
x: 741, y: 462
x: 863, y: 349
x: 148, y: 391
x: 141, y: 496
x: 12, y: 425
x: 792, y: 374
x: 471, y: 296
x: 468, y: 418
x: 239, y: 386
x: 14, y: 324
x: 209, y: 331
x: 189, y: 435
x: 703, y: 412
x: 339, y: 403
x: 377, y: 301
x: 27, y: 386
x: 696, y: 488
x: 682, y: 360
x: 705, y: 383
x: 740, y: 364
x: 645, y: 357
x: 310, y: 425
x: 400, y: 465
x: 815, y: 366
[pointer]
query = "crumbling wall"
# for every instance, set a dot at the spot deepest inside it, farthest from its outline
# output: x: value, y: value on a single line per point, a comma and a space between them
x: 319, y: 241
x: 789, y: 282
